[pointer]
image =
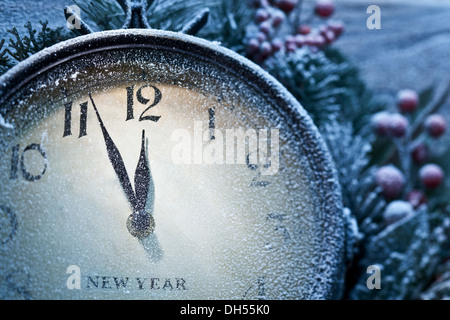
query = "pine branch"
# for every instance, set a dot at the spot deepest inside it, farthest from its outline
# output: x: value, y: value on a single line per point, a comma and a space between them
x: 228, y: 24
x: 104, y: 14
x: 408, y: 252
x: 5, y: 62
x: 174, y: 14
x: 196, y: 24
x: 327, y: 85
x: 21, y: 48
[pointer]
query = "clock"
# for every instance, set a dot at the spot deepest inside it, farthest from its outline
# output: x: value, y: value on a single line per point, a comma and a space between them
x: 148, y: 164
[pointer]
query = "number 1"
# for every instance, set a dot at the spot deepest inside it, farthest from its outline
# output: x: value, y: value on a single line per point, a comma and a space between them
x: 212, y: 123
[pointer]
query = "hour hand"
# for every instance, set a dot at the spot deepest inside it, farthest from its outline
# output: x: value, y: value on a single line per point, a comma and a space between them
x: 142, y: 178
x: 141, y: 222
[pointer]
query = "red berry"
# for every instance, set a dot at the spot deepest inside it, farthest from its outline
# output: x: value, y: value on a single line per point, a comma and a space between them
x: 261, y: 36
x: 266, y: 27
x: 329, y: 36
x: 431, y: 176
x: 265, y: 49
x: 398, y: 125
x: 337, y: 27
x: 278, y: 18
x: 309, y: 39
x: 286, y: 5
x: 391, y: 180
x: 262, y: 15
x: 315, y: 40
x: 407, y: 100
x: 324, y: 8
x: 277, y: 44
x: 300, y: 40
x: 304, y: 29
x: 416, y: 198
x: 435, y: 125
x: 326, y: 33
x: 397, y: 210
x: 420, y: 153
x: 290, y: 39
x: 380, y: 122
x: 252, y: 46
x: 291, y: 46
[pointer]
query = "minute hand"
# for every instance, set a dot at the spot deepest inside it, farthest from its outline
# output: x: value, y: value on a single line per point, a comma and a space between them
x: 116, y: 160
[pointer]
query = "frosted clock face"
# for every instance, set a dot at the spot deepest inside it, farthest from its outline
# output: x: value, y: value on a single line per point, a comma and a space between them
x: 154, y: 166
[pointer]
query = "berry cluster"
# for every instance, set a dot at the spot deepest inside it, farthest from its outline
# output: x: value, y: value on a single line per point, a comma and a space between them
x: 396, y: 126
x: 279, y: 28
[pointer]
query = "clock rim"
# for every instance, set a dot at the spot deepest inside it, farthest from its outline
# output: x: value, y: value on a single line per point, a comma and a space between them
x: 333, y: 221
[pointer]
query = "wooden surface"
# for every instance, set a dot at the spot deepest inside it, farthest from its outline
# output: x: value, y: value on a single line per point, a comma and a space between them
x: 411, y: 50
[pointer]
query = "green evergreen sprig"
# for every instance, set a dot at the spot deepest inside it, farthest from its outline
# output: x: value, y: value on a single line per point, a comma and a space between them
x: 101, y: 15
x: 227, y: 21
x: 5, y: 61
x: 21, y: 47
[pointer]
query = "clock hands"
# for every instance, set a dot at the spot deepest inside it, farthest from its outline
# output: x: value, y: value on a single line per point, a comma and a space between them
x: 140, y: 223
x: 142, y: 178
x: 116, y: 160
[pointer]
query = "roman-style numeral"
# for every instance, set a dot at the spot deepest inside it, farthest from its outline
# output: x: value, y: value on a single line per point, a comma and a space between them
x: 68, y: 119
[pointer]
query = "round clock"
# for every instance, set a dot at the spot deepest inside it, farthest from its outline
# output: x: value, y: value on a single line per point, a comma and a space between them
x: 145, y: 164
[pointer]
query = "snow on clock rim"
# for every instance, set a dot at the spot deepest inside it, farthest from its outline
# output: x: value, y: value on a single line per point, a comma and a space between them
x: 330, y: 264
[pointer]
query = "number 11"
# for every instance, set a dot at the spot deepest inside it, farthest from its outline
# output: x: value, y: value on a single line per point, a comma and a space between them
x: 68, y: 119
